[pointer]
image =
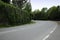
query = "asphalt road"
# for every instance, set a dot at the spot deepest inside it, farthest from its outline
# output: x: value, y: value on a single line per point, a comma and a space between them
x: 56, y: 34
x: 36, y: 31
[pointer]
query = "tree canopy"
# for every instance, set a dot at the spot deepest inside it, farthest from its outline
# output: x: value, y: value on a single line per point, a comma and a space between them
x: 6, y: 1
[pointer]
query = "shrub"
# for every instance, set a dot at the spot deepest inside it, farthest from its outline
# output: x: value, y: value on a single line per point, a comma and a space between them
x: 12, y: 15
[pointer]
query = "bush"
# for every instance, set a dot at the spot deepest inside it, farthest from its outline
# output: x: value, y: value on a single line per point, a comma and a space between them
x: 53, y: 13
x: 39, y: 15
x: 12, y: 15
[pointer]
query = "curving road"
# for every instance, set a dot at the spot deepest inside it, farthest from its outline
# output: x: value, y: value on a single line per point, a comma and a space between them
x: 56, y: 34
x: 36, y: 31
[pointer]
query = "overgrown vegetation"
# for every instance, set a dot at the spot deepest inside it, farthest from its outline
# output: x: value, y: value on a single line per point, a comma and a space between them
x: 11, y: 15
x: 20, y: 12
x: 52, y: 13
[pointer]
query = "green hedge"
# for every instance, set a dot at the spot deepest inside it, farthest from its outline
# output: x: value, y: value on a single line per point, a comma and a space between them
x: 11, y: 15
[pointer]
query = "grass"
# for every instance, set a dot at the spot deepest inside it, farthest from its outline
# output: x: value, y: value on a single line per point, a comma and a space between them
x: 7, y: 26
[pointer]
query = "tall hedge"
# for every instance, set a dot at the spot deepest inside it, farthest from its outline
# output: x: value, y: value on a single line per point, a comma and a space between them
x: 12, y: 15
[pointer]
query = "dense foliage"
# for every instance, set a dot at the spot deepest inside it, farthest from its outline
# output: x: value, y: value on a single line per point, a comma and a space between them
x: 11, y: 15
x: 52, y: 13
x: 20, y: 12
x: 19, y: 3
x: 6, y: 1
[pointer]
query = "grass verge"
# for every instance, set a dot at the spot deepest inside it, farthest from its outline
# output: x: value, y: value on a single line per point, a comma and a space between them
x: 7, y: 26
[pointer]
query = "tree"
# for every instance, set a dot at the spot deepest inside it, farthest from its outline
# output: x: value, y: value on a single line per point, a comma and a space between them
x: 36, y: 15
x: 40, y: 15
x: 52, y: 13
x: 6, y: 1
x: 28, y: 8
x: 44, y: 13
x: 19, y: 3
x: 58, y: 12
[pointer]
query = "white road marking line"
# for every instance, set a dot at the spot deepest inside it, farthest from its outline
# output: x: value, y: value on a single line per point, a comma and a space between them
x: 46, y: 37
x: 50, y: 33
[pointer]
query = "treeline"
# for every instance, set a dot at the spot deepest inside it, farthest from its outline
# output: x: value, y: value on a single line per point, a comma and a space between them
x: 20, y: 12
x: 11, y: 14
x: 52, y: 13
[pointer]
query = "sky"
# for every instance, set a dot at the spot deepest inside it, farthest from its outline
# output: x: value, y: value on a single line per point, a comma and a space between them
x: 39, y: 4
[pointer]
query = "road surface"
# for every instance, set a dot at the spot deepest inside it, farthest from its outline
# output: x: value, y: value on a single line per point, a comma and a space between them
x: 56, y: 34
x: 36, y: 31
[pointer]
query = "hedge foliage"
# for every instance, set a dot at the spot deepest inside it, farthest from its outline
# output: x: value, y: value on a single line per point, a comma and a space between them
x: 11, y: 15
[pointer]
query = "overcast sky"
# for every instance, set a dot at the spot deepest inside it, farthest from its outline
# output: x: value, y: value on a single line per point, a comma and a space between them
x: 38, y: 4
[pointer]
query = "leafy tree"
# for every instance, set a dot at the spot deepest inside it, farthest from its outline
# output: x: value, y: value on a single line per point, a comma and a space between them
x: 36, y: 14
x: 40, y: 15
x: 58, y: 12
x: 44, y: 13
x: 28, y: 7
x: 6, y: 1
x: 52, y: 13
x: 19, y: 3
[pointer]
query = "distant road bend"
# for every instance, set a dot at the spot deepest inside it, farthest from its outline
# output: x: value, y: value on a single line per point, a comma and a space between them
x: 35, y: 31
